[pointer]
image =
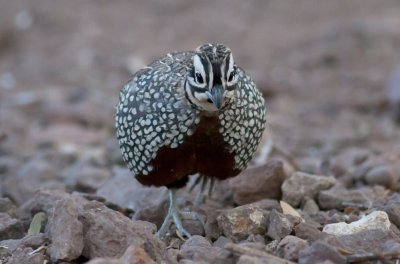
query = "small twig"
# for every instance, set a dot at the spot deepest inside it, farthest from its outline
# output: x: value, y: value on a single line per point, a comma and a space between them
x: 178, y: 234
x: 241, y: 250
x: 43, y: 247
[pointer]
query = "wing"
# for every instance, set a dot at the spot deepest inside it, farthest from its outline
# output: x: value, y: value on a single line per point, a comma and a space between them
x: 151, y: 114
x: 243, y: 132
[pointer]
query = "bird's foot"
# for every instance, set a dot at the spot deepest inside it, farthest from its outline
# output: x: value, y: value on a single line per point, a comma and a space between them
x: 176, y: 216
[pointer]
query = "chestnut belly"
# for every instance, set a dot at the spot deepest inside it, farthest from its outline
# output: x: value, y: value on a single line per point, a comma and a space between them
x: 204, y: 152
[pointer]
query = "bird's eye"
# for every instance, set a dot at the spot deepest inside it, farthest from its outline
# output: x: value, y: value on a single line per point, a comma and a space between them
x: 231, y: 76
x: 199, y: 78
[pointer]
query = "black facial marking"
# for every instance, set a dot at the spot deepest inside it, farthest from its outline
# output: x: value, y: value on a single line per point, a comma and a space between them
x: 217, y: 73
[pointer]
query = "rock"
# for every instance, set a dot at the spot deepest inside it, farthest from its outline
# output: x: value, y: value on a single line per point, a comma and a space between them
x: 221, y: 242
x: 39, y: 172
x: 34, y: 241
x: 310, y: 207
x: 372, y: 240
x: 105, y: 261
x: 268, y: 204
x: 307, y: 232
x: 136, y: 255
x: 24, y: 256
x: 86, y: 178
x: 377, y: 220
x: 392, y: 208
x: 302, y: 186
x: 382, y: 175
x: 44, y: 200
x: 246, y: 259
x: 338, y: 198
x: 238, y: 223
x: 212, y: 229
x: 10, y: 227
x: 108, y: 233
x: 255, y: 239
x: 198, y: 248
x: 6, y: 206
x: 346, y: 161
x: 281, y: 225
x: 319, y: 252
x: 124, y: 190
x: 258, y: 183
x: 65, y: 231
x: 290, y: 246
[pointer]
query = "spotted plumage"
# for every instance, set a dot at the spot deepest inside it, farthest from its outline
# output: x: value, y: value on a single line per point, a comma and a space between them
x: 189, y: 112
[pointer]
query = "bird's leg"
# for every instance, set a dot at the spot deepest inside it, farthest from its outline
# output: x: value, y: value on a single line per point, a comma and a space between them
x: 200, y: 195
x: 196, y: 182
x: 173, y: 214
x: 211, y: 187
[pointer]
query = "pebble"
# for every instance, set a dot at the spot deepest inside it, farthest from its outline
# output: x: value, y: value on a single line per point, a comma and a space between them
x: 290, y: 246
x: 301, y: 186
x: 281, y: 225
x: 238, y: 223
x: 377, y: 220
x: 321, y: 252
x: 339, y: 198
x: 258, y: 183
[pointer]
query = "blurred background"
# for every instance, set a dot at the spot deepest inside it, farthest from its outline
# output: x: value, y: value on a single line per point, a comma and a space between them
x: 324, y: 68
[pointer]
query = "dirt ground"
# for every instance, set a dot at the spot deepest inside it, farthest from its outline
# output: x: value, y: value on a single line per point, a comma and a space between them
x: 324, y: 67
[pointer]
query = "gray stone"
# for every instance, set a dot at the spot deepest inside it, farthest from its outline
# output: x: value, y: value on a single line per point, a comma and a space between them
x: 338, y: 198
x: 24, y: 256
x: 258, y: 183
x: 307, y: 232
x: 281, y: 225
x: 238, y: 223
x: 6, y: 206
x: 198, y: 248
x: 382, y: 175
x: 10, y: 228
x: 86, y: 177
x: 319, y: 252
x: 290, y: 246
x: 124, y: 190
x: 302, y: 186
x: 39, y: 172
x: 392, y: 208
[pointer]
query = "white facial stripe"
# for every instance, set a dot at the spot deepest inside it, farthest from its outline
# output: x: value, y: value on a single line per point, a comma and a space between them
x: 198, y: 66
x: 230, y: 68
x: 210, y: 74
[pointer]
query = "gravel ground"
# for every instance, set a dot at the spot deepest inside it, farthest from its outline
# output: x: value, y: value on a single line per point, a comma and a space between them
x: 324, y: 185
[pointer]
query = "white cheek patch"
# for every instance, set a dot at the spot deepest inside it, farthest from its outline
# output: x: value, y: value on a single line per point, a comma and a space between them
x: 194, y: 83
x: 200, y: 96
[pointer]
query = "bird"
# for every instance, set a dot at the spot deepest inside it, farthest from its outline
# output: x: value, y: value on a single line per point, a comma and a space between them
x: 186, y: 113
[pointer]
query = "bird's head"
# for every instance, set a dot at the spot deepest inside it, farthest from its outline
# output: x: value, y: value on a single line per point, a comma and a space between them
x: 212, y: 79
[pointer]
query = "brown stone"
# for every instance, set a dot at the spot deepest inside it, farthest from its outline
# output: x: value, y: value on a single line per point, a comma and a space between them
x: 258, y: 183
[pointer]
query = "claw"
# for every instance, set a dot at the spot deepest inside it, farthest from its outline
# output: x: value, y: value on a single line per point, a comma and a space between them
x: 175, y: 216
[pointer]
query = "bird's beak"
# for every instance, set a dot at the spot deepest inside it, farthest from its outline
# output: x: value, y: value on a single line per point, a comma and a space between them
x: 216, y: 95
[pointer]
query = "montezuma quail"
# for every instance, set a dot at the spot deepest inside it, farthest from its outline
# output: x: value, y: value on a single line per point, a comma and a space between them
x: 189, y: 112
